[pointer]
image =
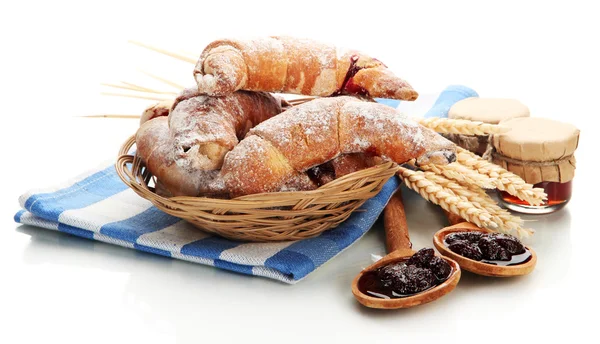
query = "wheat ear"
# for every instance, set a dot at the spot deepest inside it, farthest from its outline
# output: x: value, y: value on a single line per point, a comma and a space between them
x: 461, y: 126
x: 460, y: 173
x: 445, y: 198
x: 502, y: 179
x: 506, y: 222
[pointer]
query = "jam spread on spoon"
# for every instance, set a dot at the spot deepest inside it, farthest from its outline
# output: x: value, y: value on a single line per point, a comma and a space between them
x: 406, y: 277
x: 490, y: 248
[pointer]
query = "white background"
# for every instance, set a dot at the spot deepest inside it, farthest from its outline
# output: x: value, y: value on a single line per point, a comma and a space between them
x: 57, y: 288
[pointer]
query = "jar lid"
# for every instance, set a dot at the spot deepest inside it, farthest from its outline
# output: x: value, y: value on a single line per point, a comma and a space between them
x: 536, y: 139
x: 488, y: 110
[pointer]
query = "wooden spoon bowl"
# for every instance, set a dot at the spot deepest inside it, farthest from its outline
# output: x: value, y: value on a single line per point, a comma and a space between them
x: 410, y: 301
x: 477, y: 267
x: 399, y: 246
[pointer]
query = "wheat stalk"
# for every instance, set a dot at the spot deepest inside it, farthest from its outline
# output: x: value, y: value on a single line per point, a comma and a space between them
x: 135, y: 88
x: 139, y: 96
x: 112, y: 115
x: 502, y: 179
x: 460, y: 173
x: 461, y: 126
x: 182, y: 57
x: 446, y: 198
x: 507, y: 223
x: 163, y: 80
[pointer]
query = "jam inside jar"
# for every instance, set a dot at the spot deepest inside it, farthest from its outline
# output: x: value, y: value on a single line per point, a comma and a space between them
x: 559, y: 195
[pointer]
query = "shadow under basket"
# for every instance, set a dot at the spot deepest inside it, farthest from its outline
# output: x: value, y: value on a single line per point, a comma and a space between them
x: 276, y: 216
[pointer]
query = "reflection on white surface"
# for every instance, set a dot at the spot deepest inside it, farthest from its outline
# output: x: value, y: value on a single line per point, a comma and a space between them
x: 179, y: 298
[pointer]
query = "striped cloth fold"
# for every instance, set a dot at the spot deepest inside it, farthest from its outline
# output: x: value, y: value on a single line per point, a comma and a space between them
x: 98, y: 205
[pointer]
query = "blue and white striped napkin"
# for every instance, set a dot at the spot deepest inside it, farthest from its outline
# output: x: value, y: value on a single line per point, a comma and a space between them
x: 98, y: 206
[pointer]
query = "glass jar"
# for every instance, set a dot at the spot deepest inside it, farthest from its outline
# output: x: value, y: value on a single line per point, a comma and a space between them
x: 486, y: 110
x: 541, y: 151
x: 559, y: 195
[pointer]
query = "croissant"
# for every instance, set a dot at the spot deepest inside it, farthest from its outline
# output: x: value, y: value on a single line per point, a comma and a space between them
x: 155, y: 147
x: 159, y: 109
x: 185, y: 149
x: 298, y: 66
x: 308, y: 135
x: 205, y: 128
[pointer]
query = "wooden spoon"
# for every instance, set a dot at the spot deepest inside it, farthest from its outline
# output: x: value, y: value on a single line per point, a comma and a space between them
x: 475, y: 266
x: 399, y: 245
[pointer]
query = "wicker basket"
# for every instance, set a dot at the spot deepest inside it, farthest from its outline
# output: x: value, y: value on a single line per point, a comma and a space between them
x: 262, y: 217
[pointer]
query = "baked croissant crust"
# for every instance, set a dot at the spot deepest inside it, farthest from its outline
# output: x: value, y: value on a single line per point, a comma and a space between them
x: 186, y: 149
x: 286, y: 146
x: 155, y: 147
x: 159, y: 109
x: 298, y: 66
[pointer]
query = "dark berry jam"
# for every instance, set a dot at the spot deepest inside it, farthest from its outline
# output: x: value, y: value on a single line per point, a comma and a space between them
x: 407, y: 277
x: 490, y: 248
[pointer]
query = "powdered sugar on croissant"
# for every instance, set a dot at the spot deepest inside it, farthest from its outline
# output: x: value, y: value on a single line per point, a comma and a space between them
x: 155, y: 147
x: 157, y: 110
x: 186, y: 149
x: 292, y: 65
x: 205, y: 128
x: 310, y: 134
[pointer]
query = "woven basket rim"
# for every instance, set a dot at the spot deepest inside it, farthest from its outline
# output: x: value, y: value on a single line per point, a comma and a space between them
x: 274, y: 216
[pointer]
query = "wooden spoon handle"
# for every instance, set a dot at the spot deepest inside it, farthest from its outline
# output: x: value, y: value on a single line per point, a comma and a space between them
x: 394, y: 222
